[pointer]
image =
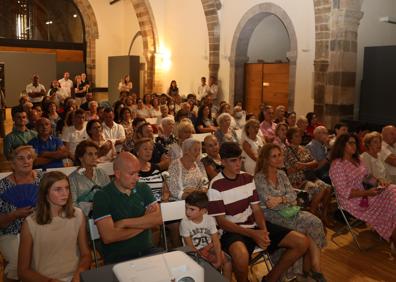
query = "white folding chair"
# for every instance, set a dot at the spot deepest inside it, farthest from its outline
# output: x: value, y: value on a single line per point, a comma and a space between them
x: 93, y: 235
x: 66, y: 170
x: 171, y: 211
x: 4, y: 174
x: 349, y: 225
x: 107, y: 167
x: 260, y: 256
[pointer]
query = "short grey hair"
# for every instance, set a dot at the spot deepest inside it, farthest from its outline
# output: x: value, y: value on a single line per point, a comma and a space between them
x: 188, y: 143
x: 222, y: 117
x: 167, y: 120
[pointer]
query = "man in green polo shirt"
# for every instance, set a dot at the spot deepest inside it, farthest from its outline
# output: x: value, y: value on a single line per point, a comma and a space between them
x: 125, y: 211
x: 20, y: 134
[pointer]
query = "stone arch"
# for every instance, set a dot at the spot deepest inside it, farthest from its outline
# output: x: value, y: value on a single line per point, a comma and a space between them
x: 240, y: 42
x: 148, y: 30
x: 210, y: 8
x: 91, y: 34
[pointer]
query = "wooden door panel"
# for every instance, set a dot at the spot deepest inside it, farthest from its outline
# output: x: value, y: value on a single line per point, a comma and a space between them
x: 253, y: 87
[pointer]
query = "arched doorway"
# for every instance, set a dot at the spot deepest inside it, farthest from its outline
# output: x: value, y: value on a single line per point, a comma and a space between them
x: 240, y: 43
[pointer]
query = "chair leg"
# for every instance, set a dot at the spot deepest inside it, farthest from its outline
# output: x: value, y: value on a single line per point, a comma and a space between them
x: 350, y: 229
x: 165, y: 239
x: 95, y: 256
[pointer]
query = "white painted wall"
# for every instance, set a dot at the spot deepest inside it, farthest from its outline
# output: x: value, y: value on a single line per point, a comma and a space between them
x: 182, y: 30
x: 117, y: 25
x: 372, y: 32
x: 302, y: 16
x: 269, y: 42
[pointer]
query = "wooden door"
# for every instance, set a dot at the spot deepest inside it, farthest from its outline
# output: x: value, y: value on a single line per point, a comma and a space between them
x: 266, y: 83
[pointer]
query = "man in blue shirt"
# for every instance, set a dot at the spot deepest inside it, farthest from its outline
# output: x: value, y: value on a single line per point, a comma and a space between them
x: 50, y: 149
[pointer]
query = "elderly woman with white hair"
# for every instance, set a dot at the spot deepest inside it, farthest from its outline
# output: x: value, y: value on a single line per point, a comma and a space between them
x: 184, y: 130
x: 187, y: 174
x: 165, y: 134
x: 92, y: 110
x: 14, y: 208
x: 225, y: 133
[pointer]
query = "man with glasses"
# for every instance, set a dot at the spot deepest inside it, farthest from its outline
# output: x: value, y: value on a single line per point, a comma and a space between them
x: 20, y: 134
x: 234, y: 202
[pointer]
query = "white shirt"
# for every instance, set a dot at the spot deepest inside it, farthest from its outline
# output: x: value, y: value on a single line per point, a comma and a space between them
x: 116, y: 132
x: 375, y: 166
x: 386, y: 151
x: 200, y: 233
x: 202, y: 91
x: 67, y: 85
x: 214, y: 90
x: 30, y: 88
x: 73, y: 136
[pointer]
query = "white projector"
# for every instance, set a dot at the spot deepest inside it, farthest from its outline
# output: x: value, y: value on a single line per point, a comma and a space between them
x: 173, y: 266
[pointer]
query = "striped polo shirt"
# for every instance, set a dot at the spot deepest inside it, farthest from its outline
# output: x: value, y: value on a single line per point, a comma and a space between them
x: 233, y: 197
x: 153, y: 178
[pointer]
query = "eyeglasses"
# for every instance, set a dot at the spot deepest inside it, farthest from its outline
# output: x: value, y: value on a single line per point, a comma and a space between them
x: 351, y: 142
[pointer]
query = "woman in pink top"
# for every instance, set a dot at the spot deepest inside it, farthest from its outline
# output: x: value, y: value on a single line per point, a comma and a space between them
x: 376, y: 206
x: 267, y: 126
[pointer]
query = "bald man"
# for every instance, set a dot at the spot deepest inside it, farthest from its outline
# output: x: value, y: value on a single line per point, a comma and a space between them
x: 388, y: 151
x: 125, y: 211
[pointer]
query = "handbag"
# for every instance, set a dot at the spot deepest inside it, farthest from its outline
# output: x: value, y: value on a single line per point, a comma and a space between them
x: 289, y: 211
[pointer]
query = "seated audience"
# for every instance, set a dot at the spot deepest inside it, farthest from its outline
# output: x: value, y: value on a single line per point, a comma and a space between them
x: 291, y: 119
x: 20, y: 134
x: 164, y: 113
x: 33, y: 117
x: 92, y: 112
x: 212, y: 161
x: 51, y: 113
x: 204, y: 122
x: 184, y: 130
x: 187, y: 174
x: 150, y: 173
x: 302, y: 124
x: 199, y: 232
x: 125, y: 211
x: 280, y: 114
x: 160, y: 155
x: 54, y: 241
x: 111, y: 130
x: 141, y: 110
x: 277, y: 197
x: 339, y: 129
x: 267, y: 126
x: 225, y: 133
x: 239, y: 116
x: 280, y: 135
x: 251, y: 144
x: 370, y: 157
x: 85, y: 180
x: 300, y: 168
x: 312, y: 120
x: 388, y: 151
x: 11, y: 217
x: 155, y: 111
x: 165, y: 134
x: 106, y: 151
x: 318, y: 147
x: 74, y: 134
x: 126, y: 120
x: 375, y: 206
x: 49, y: 149
x: 234, y: 202
x: 88, y: 98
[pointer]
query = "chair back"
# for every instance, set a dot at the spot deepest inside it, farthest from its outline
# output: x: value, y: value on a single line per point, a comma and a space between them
x: 173, y: 210
x: 107, y: 167
x: 66, y: 170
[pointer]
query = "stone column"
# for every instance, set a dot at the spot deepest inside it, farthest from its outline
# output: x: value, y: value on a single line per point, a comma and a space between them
x: 336, y: 55
x: 238, y: 64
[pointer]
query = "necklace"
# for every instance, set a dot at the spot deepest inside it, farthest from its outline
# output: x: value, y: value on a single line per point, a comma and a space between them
x: 16, y: 181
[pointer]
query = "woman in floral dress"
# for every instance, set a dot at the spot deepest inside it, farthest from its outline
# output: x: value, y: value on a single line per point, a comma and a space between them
x: 375, y: 206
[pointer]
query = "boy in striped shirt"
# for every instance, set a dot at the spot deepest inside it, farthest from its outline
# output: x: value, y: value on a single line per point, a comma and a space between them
x: 234, y: 202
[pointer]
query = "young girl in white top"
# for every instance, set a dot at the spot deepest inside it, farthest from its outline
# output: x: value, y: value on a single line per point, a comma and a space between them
x: 54, y: 244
